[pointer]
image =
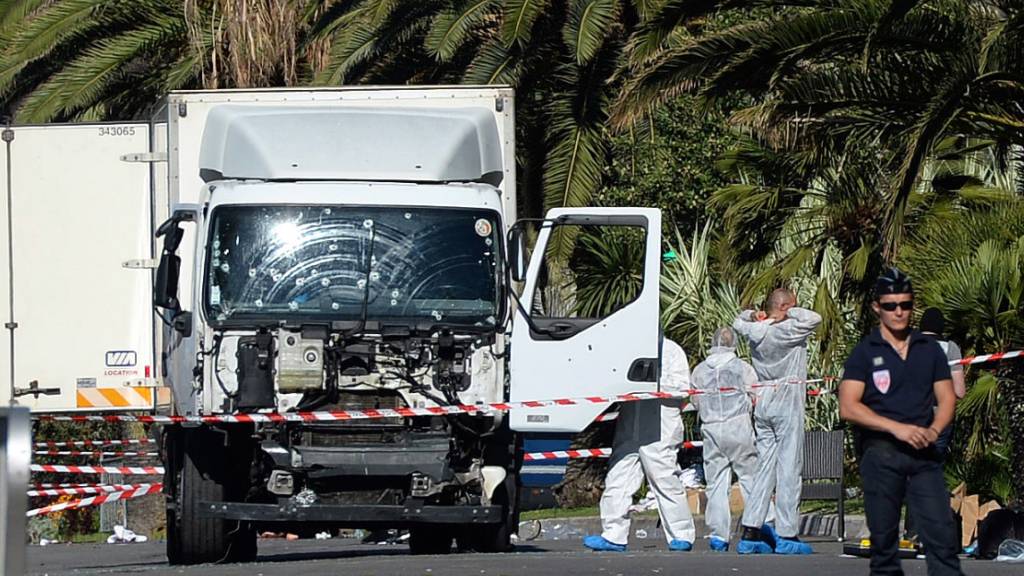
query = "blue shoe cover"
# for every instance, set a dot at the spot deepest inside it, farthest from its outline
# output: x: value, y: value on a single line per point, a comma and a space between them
x: 769, y: 534
x: 680, y: 545
x: 792, y: 546
x: 753, y: 547
x: 719, y: 545
x: 600, y: 544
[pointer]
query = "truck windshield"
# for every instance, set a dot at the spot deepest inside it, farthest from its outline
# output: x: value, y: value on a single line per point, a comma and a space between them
x: 284, y: 263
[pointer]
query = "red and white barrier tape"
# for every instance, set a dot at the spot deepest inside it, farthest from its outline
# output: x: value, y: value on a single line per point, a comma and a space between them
x: 587, y: 453
x: 371, y: 414
x: 49, y: 485
x: 81, y: 490
x: 61, y: 469
x: 142, y: 490
x: 91, y: 453
x: 94, y: 443
x: 988, y: 358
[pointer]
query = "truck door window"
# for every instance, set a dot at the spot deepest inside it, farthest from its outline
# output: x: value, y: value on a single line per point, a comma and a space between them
x: 603, y: 273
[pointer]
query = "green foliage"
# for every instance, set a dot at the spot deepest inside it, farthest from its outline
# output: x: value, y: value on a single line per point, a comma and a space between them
x: 969, y: 259
x: 693, y: 302
x: 835, y: 79
x: 451, y: 27
x: 609, y: 271
x: 587, y: 26
x: 671, y: 164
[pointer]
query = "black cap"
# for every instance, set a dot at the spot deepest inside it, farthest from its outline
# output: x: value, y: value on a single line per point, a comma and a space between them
x: 933, y: 321
x: 893, y: 281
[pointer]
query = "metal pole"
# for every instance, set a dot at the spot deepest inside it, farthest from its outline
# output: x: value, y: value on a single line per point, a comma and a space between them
x: 11, y: 325
x: 15, y: 457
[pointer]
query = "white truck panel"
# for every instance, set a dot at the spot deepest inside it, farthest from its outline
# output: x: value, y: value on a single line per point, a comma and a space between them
x: 84, y: 320
x: 188, y: 110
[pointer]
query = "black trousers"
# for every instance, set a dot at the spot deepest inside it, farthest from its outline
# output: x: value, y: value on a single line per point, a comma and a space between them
x: 891, y: 473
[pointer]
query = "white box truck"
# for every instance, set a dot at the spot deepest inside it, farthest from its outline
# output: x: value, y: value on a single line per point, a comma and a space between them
x: 356, y: 249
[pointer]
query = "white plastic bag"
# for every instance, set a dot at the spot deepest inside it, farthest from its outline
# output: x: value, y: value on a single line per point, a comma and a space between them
x: 123, y: 535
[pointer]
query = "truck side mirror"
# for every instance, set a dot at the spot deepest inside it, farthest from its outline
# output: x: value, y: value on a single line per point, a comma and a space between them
x: 165, y: 289
x: 516, y: 253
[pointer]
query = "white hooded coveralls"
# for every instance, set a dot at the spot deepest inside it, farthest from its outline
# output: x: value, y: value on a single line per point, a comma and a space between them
x: 648, y: 435
x: 779, y: 354
x: 726, y: 430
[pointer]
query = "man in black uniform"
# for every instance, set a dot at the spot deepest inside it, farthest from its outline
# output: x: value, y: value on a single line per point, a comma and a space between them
x: 898, y: 394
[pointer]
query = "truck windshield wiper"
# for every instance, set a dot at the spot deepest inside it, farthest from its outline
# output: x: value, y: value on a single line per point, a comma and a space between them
x: 356, y: 332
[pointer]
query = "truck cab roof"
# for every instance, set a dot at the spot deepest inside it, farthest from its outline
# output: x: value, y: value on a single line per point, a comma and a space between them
x: 276, y: 142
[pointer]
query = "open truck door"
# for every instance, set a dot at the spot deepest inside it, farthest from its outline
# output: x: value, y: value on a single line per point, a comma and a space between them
x: 573, y: 335
x: 75, y: 293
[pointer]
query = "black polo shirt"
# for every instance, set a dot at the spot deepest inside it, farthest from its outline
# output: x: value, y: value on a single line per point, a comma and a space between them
x: 902, y: 390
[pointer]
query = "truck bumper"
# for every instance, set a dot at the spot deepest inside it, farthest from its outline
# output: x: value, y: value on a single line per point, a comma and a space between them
x: 355, y: 515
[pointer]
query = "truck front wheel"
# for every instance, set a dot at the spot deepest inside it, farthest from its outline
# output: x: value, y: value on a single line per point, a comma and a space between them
x: 201, y: 468
x: 494, y: 537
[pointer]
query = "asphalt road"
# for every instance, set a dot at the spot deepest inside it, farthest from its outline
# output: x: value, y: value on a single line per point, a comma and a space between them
x: 549, y: 558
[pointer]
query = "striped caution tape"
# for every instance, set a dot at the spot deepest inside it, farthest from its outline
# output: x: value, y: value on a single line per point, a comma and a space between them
x: 49, y: 485
x: 142, y: 490
x: 586, y: 453
x: 61, y: 469
x: 93, y: 453
x: 372, y: 414
x: 94, y: 443
x: 987, y: 358
x: 82, y: 490
x: 369, y: 414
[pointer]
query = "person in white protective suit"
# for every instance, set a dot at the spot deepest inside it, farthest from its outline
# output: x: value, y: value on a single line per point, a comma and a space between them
x: 648, y: 436
x: 778, y: 347
x: 722, y: 384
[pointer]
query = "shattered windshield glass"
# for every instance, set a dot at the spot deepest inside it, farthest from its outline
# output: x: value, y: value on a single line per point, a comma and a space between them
x: 313, y: 263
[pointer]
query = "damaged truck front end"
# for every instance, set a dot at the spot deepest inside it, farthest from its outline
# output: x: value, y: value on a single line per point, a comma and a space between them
x: 352, y: 311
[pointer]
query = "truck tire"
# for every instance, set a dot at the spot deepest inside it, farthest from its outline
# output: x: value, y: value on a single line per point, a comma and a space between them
x: 199, y: 466
x: 430, y: 539
x: 490, y: 538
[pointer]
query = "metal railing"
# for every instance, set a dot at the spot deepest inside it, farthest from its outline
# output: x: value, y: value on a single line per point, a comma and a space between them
x: 15, y: 457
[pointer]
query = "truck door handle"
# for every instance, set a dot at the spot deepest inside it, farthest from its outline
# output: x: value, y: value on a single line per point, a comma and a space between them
x: 643, y: 370
x: 561, y: 330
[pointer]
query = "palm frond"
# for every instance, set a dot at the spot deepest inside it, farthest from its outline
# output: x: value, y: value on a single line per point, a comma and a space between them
x: 352, y: 45
x: 520, y: 16
x: 588, y: 24
x: 450, y: 27
x: 42, y: 32
x: 494, y: 64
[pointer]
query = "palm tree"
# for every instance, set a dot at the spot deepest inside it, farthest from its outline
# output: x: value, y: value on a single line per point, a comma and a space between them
x: 972, y: 266
x: 109, y: 59
x: 562, y: 56
x: 828, y: 78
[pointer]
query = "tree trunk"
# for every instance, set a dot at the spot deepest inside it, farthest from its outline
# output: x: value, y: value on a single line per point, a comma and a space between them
x: 584, y: 477
x: 1012, y: 392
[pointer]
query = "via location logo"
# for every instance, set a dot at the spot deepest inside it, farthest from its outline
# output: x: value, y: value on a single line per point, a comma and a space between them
x: 121, y: 358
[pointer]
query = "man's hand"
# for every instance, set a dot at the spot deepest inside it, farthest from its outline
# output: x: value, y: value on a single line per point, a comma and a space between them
x: 760, y: 315
x: 918, y: 437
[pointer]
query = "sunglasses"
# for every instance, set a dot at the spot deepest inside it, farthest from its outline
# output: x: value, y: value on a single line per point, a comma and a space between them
x: 892, y: 306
